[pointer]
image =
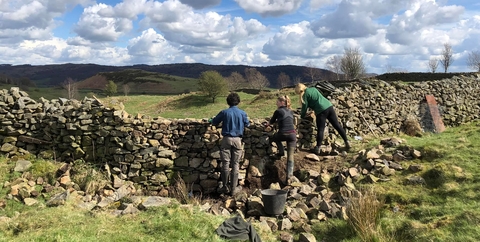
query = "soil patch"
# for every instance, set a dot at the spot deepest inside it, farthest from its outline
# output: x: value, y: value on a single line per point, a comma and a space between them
x: 275, y: 169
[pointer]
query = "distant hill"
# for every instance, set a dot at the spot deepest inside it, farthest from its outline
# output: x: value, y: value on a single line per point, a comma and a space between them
x: 53, y: 75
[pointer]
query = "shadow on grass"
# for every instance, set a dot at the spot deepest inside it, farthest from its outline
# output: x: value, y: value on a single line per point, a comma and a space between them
x: 333, y: 230
x: 189, y: 101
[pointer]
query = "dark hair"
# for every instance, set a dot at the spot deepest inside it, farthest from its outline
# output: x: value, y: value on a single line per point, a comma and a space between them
x: 233, y: 99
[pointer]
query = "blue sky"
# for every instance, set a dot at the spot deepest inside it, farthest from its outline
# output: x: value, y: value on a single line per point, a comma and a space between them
x: 392, y: 35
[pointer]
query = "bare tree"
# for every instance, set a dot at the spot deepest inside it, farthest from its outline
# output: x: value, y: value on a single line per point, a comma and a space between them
x: 352, y: 63
x: 334, y: 64
x: 312, y: 72
x: 71, y: 87
x: 283, y: 80
x: 473, y: 60
x: 297, y: 80
x: 235, y: 81
x: 126, y: 89
x: 446, y: 58
x: 391, y: 69
x: 255, y: 79
x: 433, y: 64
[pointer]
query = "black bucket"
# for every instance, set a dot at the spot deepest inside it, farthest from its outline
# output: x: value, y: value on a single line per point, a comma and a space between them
x: 274, y: 201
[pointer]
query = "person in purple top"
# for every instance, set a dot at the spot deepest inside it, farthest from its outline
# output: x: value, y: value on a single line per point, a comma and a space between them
x: 234, y: 120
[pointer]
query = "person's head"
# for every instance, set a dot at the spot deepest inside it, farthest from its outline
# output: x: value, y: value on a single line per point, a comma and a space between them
x: 283, y: 101
x: 300, y: 90
x: 233, y: 99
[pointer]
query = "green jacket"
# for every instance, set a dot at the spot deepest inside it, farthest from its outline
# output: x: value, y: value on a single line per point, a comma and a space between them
x: 313, y: 99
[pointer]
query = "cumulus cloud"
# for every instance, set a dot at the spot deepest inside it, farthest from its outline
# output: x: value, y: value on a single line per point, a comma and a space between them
x: 350, y: 20
x: 316, y: 4
x: 179, y: 24
x: 270, y: 7
x: 197, y: 4
x: 128, y: 9
x: 150, y: 43
x: 404, y: 28
x: 296, y: 40
x: 94, y: 27
x: 21, y: 14
x: 13, y: 36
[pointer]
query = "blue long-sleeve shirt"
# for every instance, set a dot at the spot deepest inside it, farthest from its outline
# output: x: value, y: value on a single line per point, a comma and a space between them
x: 234, y: 121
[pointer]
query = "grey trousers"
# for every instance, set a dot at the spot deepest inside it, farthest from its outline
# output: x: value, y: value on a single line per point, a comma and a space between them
x: 231, y: 152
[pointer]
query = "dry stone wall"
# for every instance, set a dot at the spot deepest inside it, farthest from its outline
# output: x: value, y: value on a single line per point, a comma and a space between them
x: 148, y: 151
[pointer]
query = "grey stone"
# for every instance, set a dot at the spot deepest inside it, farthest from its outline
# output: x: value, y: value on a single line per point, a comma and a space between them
x: 22, y: 165
x: 153, y: 201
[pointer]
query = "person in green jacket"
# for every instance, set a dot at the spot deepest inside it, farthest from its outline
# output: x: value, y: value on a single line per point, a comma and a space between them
x: 311, y: 98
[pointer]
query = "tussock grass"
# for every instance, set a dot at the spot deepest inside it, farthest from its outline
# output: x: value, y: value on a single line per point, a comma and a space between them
x: 363, y: 213
x: 44, y: 168
x: 179, y: 189
x: 87, y: 177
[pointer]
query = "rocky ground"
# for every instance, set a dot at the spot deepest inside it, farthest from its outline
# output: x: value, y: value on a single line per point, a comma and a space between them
x: 320, y: 190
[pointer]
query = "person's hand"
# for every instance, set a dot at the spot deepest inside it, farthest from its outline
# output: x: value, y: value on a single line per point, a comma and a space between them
x: 210, y: 120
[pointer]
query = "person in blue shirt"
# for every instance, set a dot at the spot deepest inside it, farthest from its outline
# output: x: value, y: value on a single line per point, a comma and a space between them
x: 233, y: 120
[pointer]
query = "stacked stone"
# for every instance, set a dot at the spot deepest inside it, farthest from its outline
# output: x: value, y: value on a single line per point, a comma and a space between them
x: 149, y: 150
x: 379, y: 107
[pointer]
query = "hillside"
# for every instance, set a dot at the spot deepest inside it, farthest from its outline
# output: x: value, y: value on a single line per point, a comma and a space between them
x: 53, y: 75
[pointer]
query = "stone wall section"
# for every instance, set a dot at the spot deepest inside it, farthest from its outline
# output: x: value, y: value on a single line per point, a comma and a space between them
x: 148, y: 151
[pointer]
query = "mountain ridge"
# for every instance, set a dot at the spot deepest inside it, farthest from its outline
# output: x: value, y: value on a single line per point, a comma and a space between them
x: 54, y: 74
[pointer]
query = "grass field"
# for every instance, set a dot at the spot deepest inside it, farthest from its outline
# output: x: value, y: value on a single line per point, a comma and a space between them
x: 195, y: 105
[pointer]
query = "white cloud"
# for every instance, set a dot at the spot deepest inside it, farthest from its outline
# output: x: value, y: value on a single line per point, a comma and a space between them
x: 20, y: 14
x: 149, y: 44
x: 199, y: 4
x: 404, y: 28
x: 97, y: 28
x: 403, y: 34
x: 128, y: 9
x: 298, y: 40
x: 270, y: 7
x: 200, y: 30
x: 350, y: 20
x: 316, y: 4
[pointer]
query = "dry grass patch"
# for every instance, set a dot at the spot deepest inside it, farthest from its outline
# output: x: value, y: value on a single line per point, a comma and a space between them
x: 363, y: 213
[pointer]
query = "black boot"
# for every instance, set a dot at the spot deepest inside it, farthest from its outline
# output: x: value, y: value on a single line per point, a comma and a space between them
x: 225, y: 176
x: 290, y: 162
x: 234, y: 183
x: 347, y: 145
x: 281, y: 151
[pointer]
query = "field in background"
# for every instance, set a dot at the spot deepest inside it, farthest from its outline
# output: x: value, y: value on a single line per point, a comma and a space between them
x: 194, y: 105
x: 145, y: 82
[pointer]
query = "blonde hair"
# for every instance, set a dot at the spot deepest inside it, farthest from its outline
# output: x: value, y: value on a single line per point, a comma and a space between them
x: 286, y: 100
x: 300, y: 89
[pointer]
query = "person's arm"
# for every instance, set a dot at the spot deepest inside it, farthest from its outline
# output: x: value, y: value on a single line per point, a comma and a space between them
x: 246, y: 122
x: 274, y: 117
x: 304, y: 105
x: 217, y: 119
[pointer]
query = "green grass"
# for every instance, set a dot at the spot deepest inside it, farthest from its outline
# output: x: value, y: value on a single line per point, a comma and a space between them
x: 65, y: 223
x: 195, y: 105
x: 446, y: 208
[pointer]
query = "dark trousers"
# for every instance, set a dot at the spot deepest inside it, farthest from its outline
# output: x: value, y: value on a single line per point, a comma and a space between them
x: 330, y: 115
x: 290, y: 138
